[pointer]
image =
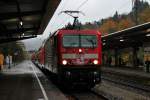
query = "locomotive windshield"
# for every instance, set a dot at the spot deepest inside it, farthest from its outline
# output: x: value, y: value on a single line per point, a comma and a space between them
x: 71, y: 41
x: 80, y: 41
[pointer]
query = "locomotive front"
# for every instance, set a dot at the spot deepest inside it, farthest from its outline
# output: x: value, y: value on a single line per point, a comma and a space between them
x: 80, y: 56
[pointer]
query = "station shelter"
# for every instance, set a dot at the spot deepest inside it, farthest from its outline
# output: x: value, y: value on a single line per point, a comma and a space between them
x: 128, y: 57
x: 133, y: 51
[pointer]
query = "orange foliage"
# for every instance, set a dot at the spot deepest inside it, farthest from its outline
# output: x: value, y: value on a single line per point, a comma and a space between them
x: 125, y: 23
x: 120, y: 22
x: 108, y: 26
x: 144, y: 16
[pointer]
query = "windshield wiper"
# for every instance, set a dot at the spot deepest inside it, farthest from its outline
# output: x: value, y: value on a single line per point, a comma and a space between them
x: 92, y: 42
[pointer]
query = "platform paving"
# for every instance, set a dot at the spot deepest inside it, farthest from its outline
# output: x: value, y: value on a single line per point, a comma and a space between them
x: 26, y: 82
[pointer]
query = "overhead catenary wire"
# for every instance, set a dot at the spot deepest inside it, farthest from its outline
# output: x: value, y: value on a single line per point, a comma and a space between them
x: 61, y: 8
x: 65, y: 4
x: 81, y: 5
x: 64, y: 21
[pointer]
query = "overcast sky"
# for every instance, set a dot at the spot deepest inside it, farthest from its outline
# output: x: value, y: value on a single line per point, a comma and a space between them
x: 93, y: 10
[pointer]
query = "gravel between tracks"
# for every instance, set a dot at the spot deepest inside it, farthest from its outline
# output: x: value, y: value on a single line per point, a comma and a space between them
x: 114, y: 92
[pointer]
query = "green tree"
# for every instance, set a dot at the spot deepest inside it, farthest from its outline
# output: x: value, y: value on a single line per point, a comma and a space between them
x: 116, y: 17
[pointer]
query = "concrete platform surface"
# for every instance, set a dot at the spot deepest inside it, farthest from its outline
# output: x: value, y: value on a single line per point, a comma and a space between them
x: 26, y: 82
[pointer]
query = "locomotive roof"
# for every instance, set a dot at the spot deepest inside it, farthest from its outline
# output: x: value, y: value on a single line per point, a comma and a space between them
x: 79, y: 31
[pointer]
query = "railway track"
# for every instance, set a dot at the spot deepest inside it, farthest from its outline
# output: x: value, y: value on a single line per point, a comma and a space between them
x: 128, y: 84
x: 91, y: 95
x: 86, y: 95
x: 76, y: 94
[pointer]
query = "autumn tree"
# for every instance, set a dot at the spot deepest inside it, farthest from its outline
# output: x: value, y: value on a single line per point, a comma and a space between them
x: 140, y: 14
x: 144, y: 16
x: 125, y: 23
x: 108, y: 27
x: 139, y: 6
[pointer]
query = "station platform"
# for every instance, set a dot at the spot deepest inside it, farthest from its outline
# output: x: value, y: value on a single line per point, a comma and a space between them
x: 127, y: 71
x: 26, y: 82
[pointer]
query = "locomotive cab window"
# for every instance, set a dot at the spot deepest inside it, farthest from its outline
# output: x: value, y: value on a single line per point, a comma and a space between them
x: 71, y: 41
x: 89, y: 41
x: 80, y: 41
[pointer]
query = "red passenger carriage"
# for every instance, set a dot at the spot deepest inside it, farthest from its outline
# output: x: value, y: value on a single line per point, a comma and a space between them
x: 41, y: 56
x: 33, y: 57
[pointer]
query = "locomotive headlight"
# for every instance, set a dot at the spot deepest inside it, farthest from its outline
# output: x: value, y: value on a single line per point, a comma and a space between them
x: 80, y: 50
x: 64, y: 62
x: 95, y: 62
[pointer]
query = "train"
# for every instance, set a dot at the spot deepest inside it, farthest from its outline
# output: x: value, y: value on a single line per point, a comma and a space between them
x: 75, y: 56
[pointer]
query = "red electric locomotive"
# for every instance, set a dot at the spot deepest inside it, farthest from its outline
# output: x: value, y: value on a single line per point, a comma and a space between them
x: 75, y: 56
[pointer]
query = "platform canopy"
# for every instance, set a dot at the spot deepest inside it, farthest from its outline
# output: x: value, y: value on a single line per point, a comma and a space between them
x: 133, y: 36
x: 22, y: 19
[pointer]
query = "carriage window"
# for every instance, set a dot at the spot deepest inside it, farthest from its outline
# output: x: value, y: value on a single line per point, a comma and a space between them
x: 71, y: 41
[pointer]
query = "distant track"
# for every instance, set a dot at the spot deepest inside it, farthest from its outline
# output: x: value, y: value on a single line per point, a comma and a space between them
x: 131, y: 84
x: 89, y: 95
